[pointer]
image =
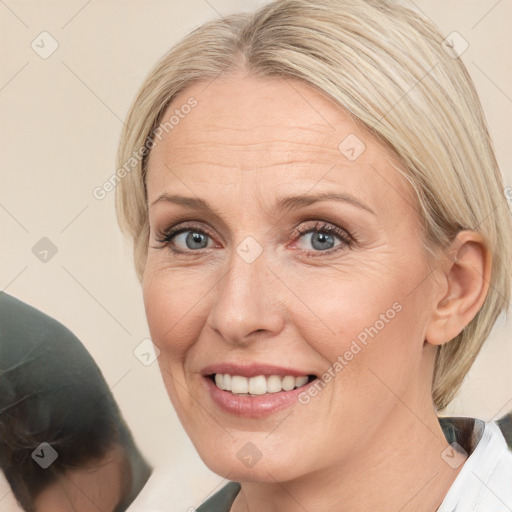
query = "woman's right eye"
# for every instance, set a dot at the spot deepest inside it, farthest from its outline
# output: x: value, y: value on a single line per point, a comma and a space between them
x: 185, y: 239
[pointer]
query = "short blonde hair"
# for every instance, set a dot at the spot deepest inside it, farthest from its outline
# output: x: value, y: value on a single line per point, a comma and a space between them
x: 387, y: 66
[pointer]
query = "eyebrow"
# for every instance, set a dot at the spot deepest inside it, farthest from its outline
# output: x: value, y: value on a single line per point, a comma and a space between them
x: 283, y: 204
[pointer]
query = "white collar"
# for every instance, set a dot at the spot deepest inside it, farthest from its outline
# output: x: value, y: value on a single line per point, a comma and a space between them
x: 484, y: 483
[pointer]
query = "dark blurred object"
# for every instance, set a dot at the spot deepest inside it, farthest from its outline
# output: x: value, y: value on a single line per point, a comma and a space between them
x: 505, y: 425
x: 52, y: 391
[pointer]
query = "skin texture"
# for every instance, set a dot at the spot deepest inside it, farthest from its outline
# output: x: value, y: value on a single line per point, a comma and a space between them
x: 371, y: 436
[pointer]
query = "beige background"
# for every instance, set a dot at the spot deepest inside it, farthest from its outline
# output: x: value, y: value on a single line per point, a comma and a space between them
x: 60, y: 122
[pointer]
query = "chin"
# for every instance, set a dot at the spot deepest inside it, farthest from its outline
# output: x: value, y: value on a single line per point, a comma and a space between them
x: 241, y: 460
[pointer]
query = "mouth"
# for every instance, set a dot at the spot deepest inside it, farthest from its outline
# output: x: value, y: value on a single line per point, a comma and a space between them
x: 254, y: 390
x: 260, y: 384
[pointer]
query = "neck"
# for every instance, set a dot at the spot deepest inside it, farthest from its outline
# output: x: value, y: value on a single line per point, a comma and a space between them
x: 401, y: 468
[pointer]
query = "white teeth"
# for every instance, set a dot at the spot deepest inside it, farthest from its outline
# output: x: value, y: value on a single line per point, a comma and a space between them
x: 219, y: 380
x: 239, y: 384
x: 301, y: 381
x: 288, y: 383
x: 273, y: 384
x: 258, y: 385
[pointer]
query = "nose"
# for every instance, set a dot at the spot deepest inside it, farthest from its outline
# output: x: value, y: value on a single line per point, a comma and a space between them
x: 247, y: 305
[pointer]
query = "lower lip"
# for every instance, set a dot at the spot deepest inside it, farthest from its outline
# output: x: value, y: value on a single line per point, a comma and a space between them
x: 254, y: 406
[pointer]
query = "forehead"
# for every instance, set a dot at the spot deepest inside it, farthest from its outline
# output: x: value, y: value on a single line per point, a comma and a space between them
x: 270, y: 134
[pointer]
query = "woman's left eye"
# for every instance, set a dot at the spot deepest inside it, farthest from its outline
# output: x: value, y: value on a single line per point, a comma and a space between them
x: 322, y: 237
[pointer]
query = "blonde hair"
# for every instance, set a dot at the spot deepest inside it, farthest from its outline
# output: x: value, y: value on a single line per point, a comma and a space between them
x: 387, y: 66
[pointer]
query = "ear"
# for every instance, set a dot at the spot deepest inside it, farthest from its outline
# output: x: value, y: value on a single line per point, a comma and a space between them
x: 465, y: 273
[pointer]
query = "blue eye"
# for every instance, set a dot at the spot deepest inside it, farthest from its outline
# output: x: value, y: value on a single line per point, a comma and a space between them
x: 193, y: 239
x: 319, y: 240
x: 322, y: 237
x: 189, y: 239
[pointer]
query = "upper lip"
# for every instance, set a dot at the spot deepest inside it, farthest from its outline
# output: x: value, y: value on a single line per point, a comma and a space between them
x: 252, y: 370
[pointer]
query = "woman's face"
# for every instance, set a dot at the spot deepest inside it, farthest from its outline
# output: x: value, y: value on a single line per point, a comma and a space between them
x: 267, y: 279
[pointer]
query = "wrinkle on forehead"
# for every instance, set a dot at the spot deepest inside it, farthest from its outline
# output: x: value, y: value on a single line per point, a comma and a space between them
x: 261, y: 133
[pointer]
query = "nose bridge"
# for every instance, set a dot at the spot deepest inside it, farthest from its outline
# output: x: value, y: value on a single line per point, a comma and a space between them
x: 245, y: 300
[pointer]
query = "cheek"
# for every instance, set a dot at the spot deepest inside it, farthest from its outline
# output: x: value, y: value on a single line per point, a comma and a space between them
x: 174, y: 313
x: 371, y: 318
x: 173, y: 305
x: 346, y: 308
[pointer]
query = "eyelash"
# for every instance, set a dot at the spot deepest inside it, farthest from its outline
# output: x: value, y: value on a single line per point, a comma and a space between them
x: 347, y: 240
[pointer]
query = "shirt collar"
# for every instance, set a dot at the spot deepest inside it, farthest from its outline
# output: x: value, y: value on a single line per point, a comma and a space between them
x: 483, y: 483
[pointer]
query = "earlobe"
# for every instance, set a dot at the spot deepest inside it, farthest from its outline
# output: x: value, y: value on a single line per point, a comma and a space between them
x: 466, y: 269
